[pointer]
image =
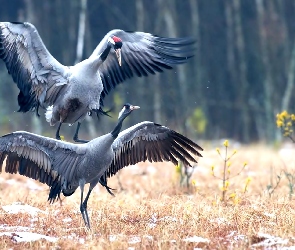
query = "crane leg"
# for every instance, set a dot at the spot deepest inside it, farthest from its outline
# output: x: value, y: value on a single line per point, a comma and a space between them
x: 37, y: 110
x: 103, y: 182
x: 76, y: 138
x: 57, y: 136
x: 83, y: 207
x: 100, y: 111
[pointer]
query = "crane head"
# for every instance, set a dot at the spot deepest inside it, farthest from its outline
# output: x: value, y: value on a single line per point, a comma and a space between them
x: 117, y: 43
x: 127, y: 109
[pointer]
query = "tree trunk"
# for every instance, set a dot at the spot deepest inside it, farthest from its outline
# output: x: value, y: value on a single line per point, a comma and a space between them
x: 267, y: 81
x: 231, y: 47
x: 141, y: 83
x: 181, y: 84
x: 197, y: 67
x: 81, y: 31
x: 290, y: 82
x: 243, y: 91
x: 30, y: 17
x: 157, y: 87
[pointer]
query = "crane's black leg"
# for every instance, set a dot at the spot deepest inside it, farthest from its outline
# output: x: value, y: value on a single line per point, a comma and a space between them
x: 57, y: 136
x: 76, y: 138
x: 100, y: 111
x: 83, y: 208
x: 37, y: 110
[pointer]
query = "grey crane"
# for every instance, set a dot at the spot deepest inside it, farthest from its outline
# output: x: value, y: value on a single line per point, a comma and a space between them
x: 70, y: 93
x: 65, y: 166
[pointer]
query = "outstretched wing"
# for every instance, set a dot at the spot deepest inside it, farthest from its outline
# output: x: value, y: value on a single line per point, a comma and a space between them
x: 142, y: 54
x: 38, y: 75
x: 44, y: 159
x: 152, y: 142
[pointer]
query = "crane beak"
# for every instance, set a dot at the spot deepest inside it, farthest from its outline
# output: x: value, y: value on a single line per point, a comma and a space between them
x: 118, y: 54
x: 134, y: 107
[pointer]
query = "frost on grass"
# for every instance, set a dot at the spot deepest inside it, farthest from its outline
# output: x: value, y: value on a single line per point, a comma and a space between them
x: 235, y: 237
x: 27, y: 236
x: 167, y: 219
x: 267, y: 240
x: 130, y: 239
x: 20, y: 233
x: 196, y: 239
x: 134, y: 240
x: 67, y: 220
x: 17, y: 207
x: 6, y: 227
x: 220, y: 221
x: 30, y: 184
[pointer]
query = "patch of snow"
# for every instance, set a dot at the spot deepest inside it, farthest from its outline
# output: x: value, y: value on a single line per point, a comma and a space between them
x: 149, y: 237
x: 133, y: 168
x: 32, y: 185
x: 72, y: 236
x: 268, y: 240
x: 134, y: 240
x: 10, y: 181
x: 112, y: 238
x: 153, y: 221
x: 168, y: 219
x: 16, y: 207
x: 151, y: 170
x: 14, y: 228
x: 56, y: 212
x: 236, y: 237
x: 27, y: 236
x: 196, y: 239
x: 67, y: 220
x: 219, y: 221
x: 34, y: 219
x: 270, y: 215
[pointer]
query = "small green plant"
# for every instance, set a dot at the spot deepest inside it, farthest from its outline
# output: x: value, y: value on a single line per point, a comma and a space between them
x: 197, y: 121
x: 291, y: 180
x: 286, y: 122
x: 273, y: 186
x: 226, y: 174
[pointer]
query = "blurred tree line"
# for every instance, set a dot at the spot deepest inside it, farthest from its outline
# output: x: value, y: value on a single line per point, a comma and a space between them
x: 242, y: 74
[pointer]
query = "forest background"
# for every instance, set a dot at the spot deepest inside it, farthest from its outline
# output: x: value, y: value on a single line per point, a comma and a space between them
x: 241, y: 76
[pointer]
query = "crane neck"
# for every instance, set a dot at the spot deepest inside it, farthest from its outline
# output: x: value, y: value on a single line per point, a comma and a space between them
x: 118, y: 127
x: 105, y: 53
x: 92, y: 64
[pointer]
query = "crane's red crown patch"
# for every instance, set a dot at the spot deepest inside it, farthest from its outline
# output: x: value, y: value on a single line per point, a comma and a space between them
x: 116, y: 39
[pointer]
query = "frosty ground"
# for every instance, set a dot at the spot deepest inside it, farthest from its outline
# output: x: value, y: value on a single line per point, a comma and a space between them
x: 154, y: 212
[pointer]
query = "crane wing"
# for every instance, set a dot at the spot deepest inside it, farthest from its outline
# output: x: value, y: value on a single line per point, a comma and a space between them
x: 38, y: 75
x: 44, y: 159
x: 152, y: 142
x: 142, y: 54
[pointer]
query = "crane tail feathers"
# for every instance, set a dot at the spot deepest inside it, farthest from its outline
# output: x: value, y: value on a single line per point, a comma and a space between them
x: 48, y: 114
x: 54, y: 193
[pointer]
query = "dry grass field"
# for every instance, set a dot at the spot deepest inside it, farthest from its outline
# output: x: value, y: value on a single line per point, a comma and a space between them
x: 154, y: 212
